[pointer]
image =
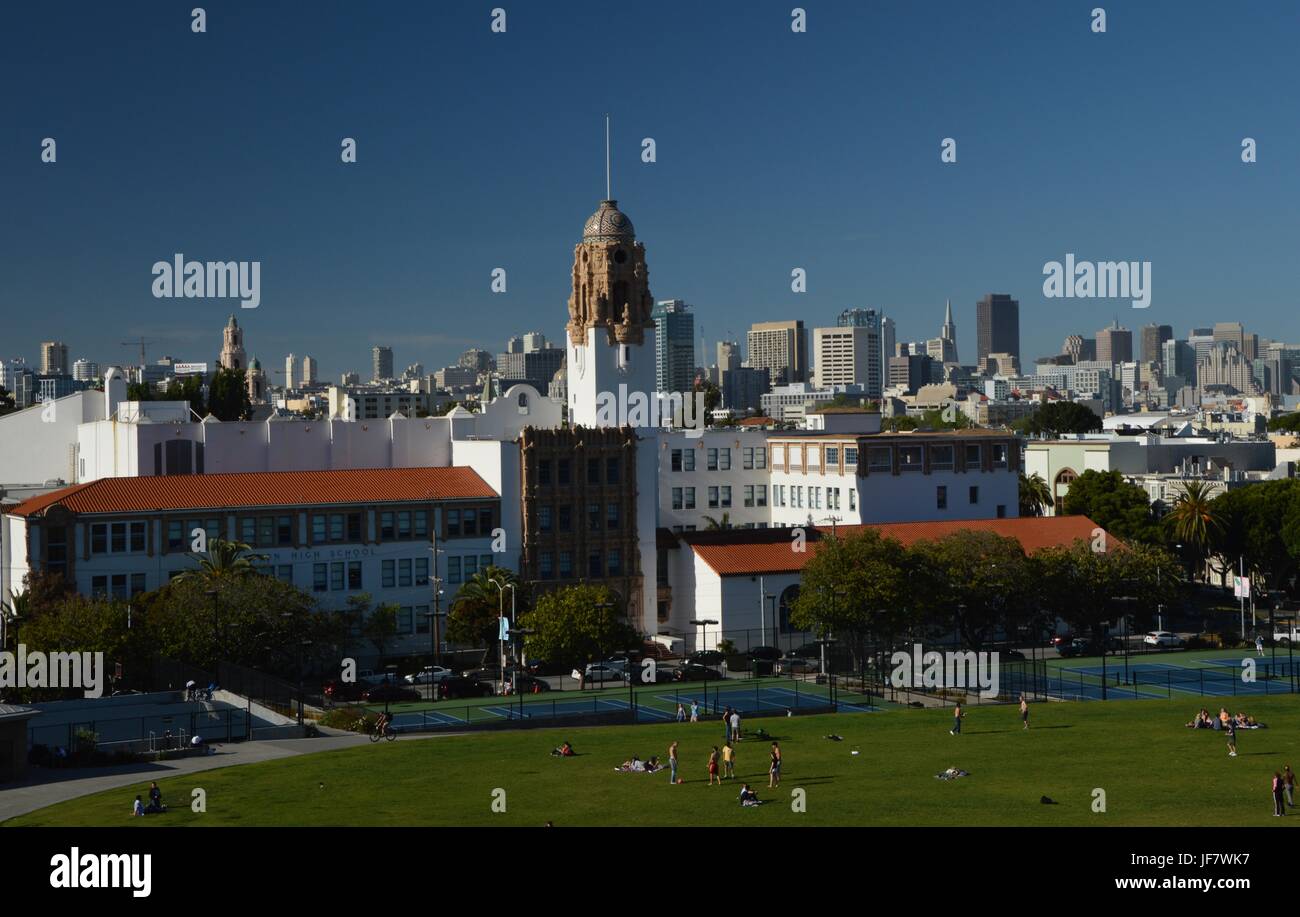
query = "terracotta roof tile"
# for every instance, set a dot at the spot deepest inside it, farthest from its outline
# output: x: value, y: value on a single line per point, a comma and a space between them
x: 269, y: 488
x: 739, y: 558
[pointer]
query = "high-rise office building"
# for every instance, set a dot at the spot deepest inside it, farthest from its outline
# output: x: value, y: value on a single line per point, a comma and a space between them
x: 674, y: 346
x: 308, y: 371
x: 848, y: 355
x: 728, y: 356
x: 997, y: 326
x: 477, y: 359
x: 882, y: 335
x: 910, y: 372
x: 85, y: 371
x: 289, y: 362
x: 1153, y: 339
x: 515, y: 344
x: 534, y: 341
x: 381, y: 362
x: 888, y: 333
x: 781, y: 348
x: 1178, y: 359
x: 1115, y: 344
x: 54, y: 358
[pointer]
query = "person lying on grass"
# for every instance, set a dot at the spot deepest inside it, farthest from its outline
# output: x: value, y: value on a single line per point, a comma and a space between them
x: 564, y: 751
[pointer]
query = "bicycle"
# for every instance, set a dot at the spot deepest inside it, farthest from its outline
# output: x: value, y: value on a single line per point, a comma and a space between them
x: 383, y: 732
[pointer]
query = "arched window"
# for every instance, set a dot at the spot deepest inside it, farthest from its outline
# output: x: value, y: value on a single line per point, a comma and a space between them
x: 523, y: 402
x: 788, y: 596
x: 1061, y: 486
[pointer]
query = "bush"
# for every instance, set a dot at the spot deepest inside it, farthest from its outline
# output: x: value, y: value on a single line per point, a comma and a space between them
x: 345, y: 718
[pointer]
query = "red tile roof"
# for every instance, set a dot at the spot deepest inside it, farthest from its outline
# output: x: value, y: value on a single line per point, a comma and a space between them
x: 750, y: 559
x: 268, y: 488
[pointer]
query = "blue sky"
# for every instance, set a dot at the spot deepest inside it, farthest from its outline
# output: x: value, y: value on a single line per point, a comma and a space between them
x: 775, y: 150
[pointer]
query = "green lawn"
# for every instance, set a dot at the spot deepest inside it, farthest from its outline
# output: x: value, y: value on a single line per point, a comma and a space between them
x: 1154, y: 772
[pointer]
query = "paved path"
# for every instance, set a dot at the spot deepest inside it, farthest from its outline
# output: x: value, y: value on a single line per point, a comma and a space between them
x: 46, y: 787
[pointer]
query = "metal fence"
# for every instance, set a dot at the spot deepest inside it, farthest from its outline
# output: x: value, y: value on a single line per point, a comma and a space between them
x: 161, y: 731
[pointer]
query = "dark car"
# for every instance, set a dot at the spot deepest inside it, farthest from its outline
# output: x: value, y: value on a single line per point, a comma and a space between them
x: 1011, y: 655
x: 344, y: 690
x: 693, y: 671
x: 390, y: 693
x: 705, y: 657
x: 459, y: 686
x: 526, y: 684
x: 765, y: 653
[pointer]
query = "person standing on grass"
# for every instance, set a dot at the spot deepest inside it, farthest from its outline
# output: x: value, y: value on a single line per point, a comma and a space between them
x: 728, y: 761
x: 726, y: 725
x: 735, y: 725
x: 681, y: 714
x: 774, y: 769
x: 1288, y: 785
x: 1232, y: 737
x: 713, y: 767
x: 956, y: 720
x: 672, y: 764
x: 695, y: 711
x: 1024, y: 711
x: 1259, y: 645
x: 1278, y: 811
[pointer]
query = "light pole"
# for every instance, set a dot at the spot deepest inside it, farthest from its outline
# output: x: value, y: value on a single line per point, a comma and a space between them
x: 501, y: 589
x: 705, y: 622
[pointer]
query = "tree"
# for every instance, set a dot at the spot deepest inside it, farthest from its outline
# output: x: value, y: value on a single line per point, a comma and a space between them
x: 1260, y: 530
x: 228, y: 396
x: 570, y: 626
x: 712, y: 524
x: 1283, y: 423
x: 17, y: 609
x: 224, y: 561
x: 87, y: 625
x: 1059, y: 417
x: 1081, y: 586
x: 1035, y: 495
x: 6, y: 402
x: 1193, y: 520
x: 381, y: 627
x: 478, y: 605
x: 1121, y: 508
x: 712, y: 395
x: 854, y: 588
x: 972, y: 582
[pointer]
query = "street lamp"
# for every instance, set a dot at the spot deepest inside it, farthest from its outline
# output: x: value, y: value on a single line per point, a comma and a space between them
x: 501, y: 589
x: 705, y: 622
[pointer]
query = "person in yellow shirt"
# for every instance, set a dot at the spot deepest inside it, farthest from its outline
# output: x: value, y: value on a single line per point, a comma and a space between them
x: 728, y: 761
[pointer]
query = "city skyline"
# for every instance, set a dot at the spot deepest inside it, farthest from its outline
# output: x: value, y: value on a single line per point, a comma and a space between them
x: 822, y: 195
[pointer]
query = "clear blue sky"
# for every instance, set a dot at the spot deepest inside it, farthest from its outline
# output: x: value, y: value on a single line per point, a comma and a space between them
x: 775, y: 151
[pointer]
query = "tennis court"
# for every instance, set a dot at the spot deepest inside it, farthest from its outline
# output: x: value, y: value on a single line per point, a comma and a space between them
x: 1200, y: 676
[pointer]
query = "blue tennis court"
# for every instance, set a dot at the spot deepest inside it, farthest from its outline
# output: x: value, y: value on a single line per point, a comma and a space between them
x: 763, y: 699
x: 1214, y: 677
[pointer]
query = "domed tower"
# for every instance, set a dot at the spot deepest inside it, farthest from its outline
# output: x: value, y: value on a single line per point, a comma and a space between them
x: 611, y: 334
x: 256, y: 380
x: 232, y: 346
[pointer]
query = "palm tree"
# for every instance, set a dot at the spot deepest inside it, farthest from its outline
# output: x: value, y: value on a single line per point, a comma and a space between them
x: 717, y: 524
x: 478, y: 604
x: 1194, y: 519
x: 224, y: 562
x: 1035, y: 495
x: 18, y: 606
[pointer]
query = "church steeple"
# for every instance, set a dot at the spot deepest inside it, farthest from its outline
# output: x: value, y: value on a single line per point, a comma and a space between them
x: 611, y: 283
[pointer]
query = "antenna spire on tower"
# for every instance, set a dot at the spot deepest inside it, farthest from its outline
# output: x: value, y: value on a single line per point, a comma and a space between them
x: 609, y: 195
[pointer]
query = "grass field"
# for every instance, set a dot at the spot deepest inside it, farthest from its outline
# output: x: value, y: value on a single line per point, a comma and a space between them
x: 1154, y: 771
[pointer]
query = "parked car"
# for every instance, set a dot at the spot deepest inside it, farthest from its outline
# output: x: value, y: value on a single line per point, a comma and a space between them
x: 706, y: 657
x: 371, y: 677
x: 430, y: 673
x: 526, y: 683
x: 602, y: 672
x: 693, y: 671
x: 1076, y: 647
x: 458, y: 686
x: 1060, y: 640
x: 1283, y: 636
x: 797, y: 665
x: 389, y: 693
x: 765, y: 653
x: 345, y: 690
x: 1162, y: 639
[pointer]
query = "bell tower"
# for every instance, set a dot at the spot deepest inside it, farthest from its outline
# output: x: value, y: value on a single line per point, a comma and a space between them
x: 611, y: 334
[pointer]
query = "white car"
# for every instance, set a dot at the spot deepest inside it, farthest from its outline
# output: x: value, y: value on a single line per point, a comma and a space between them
x: 430, y: 673
x: 1163, y: 639
x: 601, y: 672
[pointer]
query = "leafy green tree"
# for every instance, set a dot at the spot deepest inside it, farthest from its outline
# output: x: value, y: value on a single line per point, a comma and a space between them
x: 222, y: 562
x: 855, y: 589
x: 714, y: 524
x: 87, y: 625
x: 1035, y: 495
x: 381, y: 627
x: 1084, y: 587
x: 6, y: 402
x: 228, y: 396
x: 571, y: 627
x: 1285, y: 423
x: 712, y: 395
x: 1121, y: 508
x: 1059, y: 417
x: 973, y: 582
x: 190, y: 389
x: 1259, y: 525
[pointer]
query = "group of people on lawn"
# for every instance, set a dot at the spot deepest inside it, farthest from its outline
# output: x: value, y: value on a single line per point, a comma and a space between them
x: 1203, y: 720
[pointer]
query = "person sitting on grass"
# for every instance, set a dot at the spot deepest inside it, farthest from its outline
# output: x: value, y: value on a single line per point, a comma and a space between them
x: 138, y: 807
x: 653, y: 765
x: 563, y: 751
x: 748, y: 797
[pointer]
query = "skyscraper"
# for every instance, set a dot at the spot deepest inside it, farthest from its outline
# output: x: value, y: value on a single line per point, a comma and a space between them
x: 1153, y: 339
x: 308, y: 371
x: 1115, y: 344
x: 382, y: 362
x: 674, y: 346
x: 288, y: 372
x: 85, y: 370
x: 781, y: 348
x: 997, y: 326
x: 728, y: 356
x: 54, y: 358
x: 848, y: 356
